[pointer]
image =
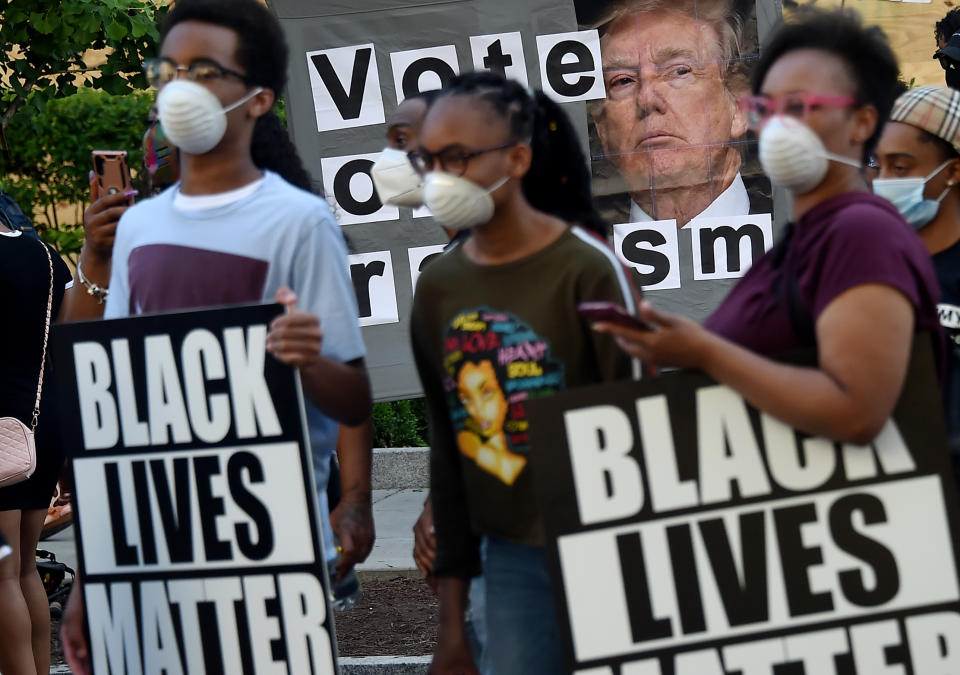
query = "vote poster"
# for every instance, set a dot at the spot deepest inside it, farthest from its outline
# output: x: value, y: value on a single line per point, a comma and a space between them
x: 690, y: 534
x: 675, y: 169
x: 195, y: 510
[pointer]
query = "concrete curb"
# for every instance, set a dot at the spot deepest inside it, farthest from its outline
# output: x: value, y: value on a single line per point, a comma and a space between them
x: 363, y: 665
x: 400, y: 468
x: 385, y: 665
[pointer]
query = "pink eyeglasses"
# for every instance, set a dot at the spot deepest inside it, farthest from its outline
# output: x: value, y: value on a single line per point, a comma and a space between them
x: 759, y: 108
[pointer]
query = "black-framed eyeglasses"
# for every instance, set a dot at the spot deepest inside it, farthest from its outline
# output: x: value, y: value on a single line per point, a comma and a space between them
x: 452, y: 159
x: 160, y: 71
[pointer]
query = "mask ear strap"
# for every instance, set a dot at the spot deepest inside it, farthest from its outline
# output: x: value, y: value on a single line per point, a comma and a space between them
x: 939, y: 169
x: 945, y: 191
x: 243, y: 100
x: 843, y: 160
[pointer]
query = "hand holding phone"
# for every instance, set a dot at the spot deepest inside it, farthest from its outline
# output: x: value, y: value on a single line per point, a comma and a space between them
x: 611, y: 312
x: 113, y: 173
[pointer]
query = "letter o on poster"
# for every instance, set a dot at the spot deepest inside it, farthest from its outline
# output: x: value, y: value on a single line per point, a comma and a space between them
x: 570, y: 66
x: 419, y: 70
x: 348, y: 185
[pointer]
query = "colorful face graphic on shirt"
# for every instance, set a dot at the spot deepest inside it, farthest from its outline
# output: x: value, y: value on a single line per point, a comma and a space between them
x: 494, y: 364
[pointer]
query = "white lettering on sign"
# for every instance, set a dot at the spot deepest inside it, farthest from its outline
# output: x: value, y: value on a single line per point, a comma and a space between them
x: 724, y: 248
x: 419, y: 70
x: 345, y: 84
x: 501, y: 53
x: 349, y: 187
x: 286, y: 609
x: 175, y: 414
x: 949, y: 315
x: 570, y: 66
x: 839, y: 554
x: 373, y: 283
x: 933, y: 639
x: 189, y: 509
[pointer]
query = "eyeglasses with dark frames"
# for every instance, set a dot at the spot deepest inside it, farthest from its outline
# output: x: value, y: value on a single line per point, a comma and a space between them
x: 160, y: 71
x: 452, y: 159
x: 759, y: 108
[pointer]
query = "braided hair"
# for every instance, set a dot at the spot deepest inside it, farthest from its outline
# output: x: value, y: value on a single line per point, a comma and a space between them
x: 558, y: 181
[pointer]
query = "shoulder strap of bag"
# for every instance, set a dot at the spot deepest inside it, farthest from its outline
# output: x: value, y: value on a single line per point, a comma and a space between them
x: 46, y: 334
x: 787, y: 287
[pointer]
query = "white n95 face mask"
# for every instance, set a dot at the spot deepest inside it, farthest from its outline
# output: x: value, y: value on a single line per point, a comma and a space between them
x: 456, y: 202
x: 907, y: 195
x: 192, y: 117
x: 793, y: 155
x: 396, y: 181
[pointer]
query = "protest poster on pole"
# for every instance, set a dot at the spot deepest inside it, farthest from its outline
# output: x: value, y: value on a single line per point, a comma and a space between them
x: 196, y: 520
x: 678, y: 180
x: 690, y: 534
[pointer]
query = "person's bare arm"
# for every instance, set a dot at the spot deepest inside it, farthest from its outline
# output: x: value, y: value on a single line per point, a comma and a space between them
x: 72, y: 636
x: 864, y: 338
x: 425, y: 545
x: 352, y: 519
x: 339, y: 390
x: 452, y: 654
x: 100, y: 228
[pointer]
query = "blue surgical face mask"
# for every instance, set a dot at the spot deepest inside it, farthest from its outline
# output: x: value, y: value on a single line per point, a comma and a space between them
x: 907, y: 195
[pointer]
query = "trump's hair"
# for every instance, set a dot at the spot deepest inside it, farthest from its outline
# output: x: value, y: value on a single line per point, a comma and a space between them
x: 721, y: 15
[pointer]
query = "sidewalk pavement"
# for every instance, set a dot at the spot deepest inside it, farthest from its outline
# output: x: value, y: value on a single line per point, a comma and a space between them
x: 394, y: 513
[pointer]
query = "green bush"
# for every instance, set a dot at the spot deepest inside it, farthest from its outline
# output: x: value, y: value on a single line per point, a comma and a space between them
x: 49, y: 156
x: 400, y: 424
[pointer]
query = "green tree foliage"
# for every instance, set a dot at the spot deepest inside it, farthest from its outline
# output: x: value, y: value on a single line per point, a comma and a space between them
x: 45, y: 41
x: 400, y: 424
x: 49, y: 156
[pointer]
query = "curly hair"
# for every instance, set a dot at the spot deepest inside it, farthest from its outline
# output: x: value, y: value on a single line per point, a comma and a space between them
x: 558, y: 181
x: 871, y: 64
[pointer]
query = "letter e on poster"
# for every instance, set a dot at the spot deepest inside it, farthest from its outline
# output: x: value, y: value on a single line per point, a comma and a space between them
x: 570, y: 66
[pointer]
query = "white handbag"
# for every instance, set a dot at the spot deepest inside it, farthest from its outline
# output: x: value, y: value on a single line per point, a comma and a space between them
x: 18, y: 454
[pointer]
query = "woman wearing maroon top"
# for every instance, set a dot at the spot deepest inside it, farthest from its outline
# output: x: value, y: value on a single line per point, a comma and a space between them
x: 850, y: 277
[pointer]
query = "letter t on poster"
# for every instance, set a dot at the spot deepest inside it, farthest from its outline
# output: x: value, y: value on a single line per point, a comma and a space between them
x: 500, y: 53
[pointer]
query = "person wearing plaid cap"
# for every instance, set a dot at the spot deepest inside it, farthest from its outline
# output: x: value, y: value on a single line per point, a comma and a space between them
x: 919, y: 157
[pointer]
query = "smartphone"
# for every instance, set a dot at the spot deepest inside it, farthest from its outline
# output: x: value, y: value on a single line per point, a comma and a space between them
x: 113, y: 174
x: 613, y: 313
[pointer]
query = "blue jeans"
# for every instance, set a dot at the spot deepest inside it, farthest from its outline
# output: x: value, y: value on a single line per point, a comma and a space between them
x: 523, y: 637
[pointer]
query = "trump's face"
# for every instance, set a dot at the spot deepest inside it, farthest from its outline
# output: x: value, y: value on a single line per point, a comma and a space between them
x: 668, y: 116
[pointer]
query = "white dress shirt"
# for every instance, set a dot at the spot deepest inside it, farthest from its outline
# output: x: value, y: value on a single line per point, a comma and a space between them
x: 734, y: 201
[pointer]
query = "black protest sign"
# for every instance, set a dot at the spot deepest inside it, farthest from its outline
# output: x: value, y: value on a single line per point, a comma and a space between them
x: 692, y: 535
x: 197, y: 527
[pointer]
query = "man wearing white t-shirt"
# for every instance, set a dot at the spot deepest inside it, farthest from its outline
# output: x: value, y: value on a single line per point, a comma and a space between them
x: 231, y: 233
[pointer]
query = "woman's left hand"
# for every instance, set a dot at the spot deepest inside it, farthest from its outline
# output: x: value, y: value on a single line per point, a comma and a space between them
x: 672, y: 340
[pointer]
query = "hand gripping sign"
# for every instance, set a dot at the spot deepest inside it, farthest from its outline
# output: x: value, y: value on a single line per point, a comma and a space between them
x: 693, y: 535
x: 197, y: 528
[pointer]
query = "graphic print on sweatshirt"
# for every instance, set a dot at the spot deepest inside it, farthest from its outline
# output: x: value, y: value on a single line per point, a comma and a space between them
x: 167, y: 277
x: 494, y: 363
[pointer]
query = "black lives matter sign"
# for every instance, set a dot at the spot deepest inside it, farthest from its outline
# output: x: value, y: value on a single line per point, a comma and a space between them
x: 692, y: 535
x: 197, y: 530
